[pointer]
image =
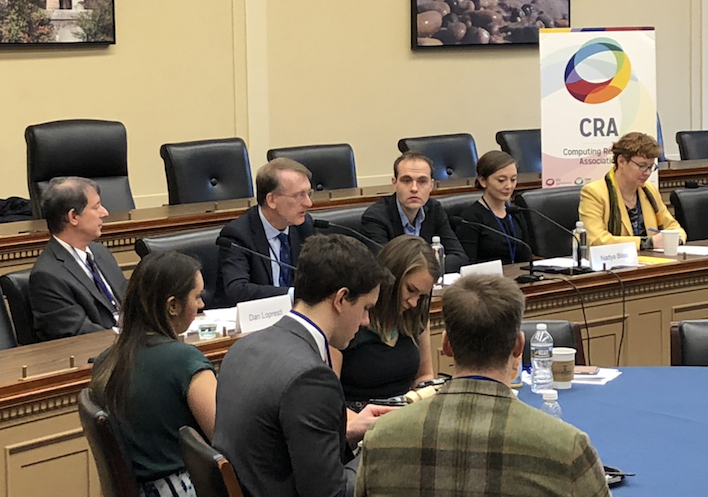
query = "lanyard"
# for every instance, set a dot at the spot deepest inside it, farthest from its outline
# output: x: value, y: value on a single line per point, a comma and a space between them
x: 512, y: 246
x: 99, y: 281
x: 476, y: 377
x: 329, y: 356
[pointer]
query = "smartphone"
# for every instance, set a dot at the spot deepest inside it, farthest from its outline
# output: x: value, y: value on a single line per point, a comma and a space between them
x: 587, y: 369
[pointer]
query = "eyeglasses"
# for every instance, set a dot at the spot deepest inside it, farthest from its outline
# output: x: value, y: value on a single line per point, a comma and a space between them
x: 300, y: 196
x: 645, y: 167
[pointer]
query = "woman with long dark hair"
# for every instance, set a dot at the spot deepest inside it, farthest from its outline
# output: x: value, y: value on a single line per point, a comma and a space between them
x: 392, y: 354
x: 152, y: 383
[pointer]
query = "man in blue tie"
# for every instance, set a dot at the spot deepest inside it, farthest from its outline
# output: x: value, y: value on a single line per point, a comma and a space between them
x: 281, y: 419
x: 275, y: 228
x: 76, y: 286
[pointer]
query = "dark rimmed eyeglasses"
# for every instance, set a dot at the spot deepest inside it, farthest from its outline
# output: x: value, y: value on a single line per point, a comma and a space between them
x: 645, y: 167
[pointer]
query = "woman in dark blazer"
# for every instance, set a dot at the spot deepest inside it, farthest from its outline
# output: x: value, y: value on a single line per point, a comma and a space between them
x: 496, y: 174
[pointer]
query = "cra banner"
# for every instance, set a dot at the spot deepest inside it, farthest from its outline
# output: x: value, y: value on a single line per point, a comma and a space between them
x: 596, y: 85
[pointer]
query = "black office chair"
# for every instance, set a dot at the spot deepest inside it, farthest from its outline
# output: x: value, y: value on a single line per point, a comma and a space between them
x: 207, y: 170
x: 211, y: 473
x: 346, y: 216
x: 332, y: 166
x: 524, y: 145
x: 115, y: 470
x: 79, y: 147
x: 454, y: 205
x: 7, y: 334
x: 690, y: 207
x: 561, y: 205
x: 200, y: 244
x: 15, y: 286
x: 689, y: 343
x: 693, y: 145
x: 564, y: 333
x: 453, y: 156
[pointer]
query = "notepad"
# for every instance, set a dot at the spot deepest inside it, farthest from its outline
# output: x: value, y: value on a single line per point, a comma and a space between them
x: 646, y: 260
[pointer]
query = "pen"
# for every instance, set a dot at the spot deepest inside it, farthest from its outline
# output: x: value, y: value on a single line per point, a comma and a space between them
x: 653, y: 230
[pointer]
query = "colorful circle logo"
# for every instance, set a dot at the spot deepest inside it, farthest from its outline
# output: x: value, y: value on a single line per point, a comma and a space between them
x: 604, y: 91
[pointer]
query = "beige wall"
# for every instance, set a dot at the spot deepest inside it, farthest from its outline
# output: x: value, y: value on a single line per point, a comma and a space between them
x: 340, y: 73
x: 294, y: 72
x: 170, y: 77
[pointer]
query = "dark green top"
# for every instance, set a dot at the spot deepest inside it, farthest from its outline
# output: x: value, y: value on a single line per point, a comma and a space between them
x: 157, y: 405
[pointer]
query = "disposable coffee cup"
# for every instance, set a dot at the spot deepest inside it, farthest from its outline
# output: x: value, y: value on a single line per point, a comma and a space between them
x: 671, y: 242
x: 563, y: 367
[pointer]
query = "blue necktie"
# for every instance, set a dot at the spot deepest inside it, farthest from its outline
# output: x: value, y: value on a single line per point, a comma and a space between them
x: 286, y: 273
x: 99, y: 282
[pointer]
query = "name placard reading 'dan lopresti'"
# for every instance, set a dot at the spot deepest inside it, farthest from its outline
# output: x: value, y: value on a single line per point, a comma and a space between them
x: 609, y: 256
x: 258, y: 314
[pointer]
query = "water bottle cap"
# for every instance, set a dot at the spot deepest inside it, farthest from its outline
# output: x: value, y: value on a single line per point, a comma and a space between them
x: 541, y: 326
x: 436, y: 239
x: 579, y: 224
x: 550, y: 395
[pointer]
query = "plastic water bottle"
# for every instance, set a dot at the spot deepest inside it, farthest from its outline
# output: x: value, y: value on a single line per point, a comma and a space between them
x: 541, y: 359
x: 550, y: 404
x: 439, y: 256
x: 580, y: 233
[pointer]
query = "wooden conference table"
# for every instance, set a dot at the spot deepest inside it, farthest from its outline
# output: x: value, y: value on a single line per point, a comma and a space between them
x: 22, y: 242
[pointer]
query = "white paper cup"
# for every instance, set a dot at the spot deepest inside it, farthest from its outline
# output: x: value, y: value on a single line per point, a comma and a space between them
x: 563, y: 367
x: 671, y: 242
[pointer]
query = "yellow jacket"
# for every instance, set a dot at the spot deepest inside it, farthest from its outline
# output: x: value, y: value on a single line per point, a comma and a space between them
x: 594, y: 212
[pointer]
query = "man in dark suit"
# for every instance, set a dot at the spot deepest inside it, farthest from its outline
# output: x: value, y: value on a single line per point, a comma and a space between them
x: 280, y: 414
x: 411, y: 211
x: 276, y: 228
x: 76, y: 286
x: 474, y: 437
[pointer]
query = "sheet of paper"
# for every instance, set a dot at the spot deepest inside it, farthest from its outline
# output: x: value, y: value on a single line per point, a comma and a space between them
x: 689, y: 250
x: 603, y: 376
x: 556, y: 262
x: 227, y: 314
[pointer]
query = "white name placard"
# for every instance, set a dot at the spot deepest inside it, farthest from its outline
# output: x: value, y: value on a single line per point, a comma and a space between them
x: 491, y: 267
x: 258, y: 314
x: 609, y: 256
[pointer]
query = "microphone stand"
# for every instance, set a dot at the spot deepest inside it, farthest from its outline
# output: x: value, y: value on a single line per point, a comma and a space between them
x: 324, y: 224
x: 513, y: 209
x: 228, y: 243
x: 524, y: 278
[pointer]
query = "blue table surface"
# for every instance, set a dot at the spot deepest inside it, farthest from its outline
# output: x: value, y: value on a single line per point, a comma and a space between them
x: 648, y: 421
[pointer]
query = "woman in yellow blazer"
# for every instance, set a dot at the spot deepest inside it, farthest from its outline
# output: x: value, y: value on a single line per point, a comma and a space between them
x: 623, y: 207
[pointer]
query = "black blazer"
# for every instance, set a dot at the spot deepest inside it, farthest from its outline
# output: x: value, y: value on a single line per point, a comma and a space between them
x: 244, y: 276
x: 483, y: 245
x: 65, y: 300
x: 382, y: 223
x: 280, y: 417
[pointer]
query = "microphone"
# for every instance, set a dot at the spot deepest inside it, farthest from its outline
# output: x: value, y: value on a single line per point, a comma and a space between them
x: 324, y: 224
x: 524, y: 278
x: 513, y: 209
x: 228, y: 243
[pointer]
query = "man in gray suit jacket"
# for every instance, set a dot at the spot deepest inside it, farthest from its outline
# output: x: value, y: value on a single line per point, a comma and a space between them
x: 76, y: 286
x: 280, y: 414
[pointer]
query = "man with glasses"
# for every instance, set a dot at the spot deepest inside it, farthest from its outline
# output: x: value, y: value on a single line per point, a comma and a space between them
x: 411, y: 211
x: 275, y: 228
x: 624, y: 206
